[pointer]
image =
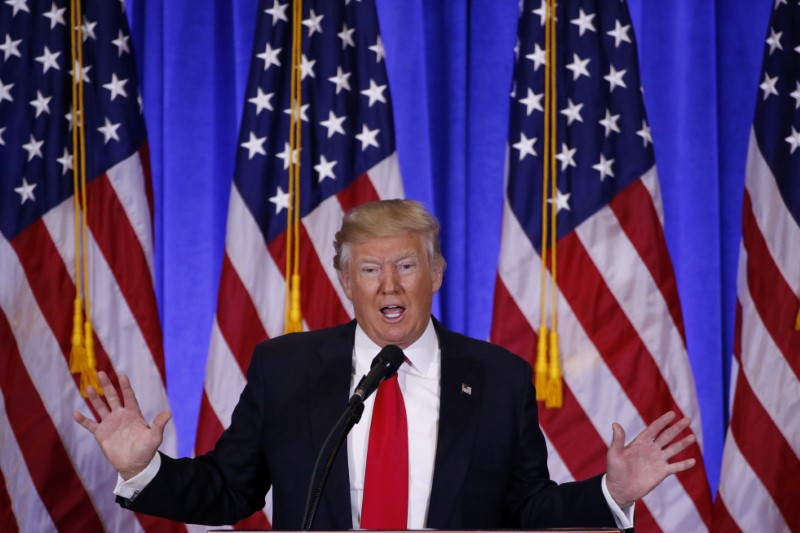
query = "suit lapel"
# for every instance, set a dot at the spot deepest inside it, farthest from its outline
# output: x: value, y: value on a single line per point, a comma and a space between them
x: 459, y: 395
x: 329, y: 383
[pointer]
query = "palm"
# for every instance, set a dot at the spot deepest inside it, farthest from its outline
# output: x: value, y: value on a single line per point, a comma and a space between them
x: 636, y: 469
x: 123, y: 434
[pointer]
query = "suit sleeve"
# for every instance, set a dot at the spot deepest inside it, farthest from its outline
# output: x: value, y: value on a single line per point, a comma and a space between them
x: 223, y: 486
x: 535, y: 501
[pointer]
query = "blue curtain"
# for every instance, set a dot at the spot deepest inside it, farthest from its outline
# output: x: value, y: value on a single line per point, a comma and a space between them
x: 450, y: 66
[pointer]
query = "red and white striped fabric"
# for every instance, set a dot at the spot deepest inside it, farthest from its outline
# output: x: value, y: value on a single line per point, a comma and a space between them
x: 345, y: 160
x: 622, y: 343
x: 759, y: 486
x: 72, y: 490
x: 54, y: 475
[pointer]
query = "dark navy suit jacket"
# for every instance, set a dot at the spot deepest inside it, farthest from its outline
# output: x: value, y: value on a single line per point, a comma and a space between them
x: 490, y: 469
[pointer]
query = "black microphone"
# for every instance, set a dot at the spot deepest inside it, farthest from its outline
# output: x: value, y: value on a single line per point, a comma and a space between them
x: 384, y: 366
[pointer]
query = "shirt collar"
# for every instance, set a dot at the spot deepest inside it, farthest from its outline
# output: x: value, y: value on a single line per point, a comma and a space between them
x: 420, y: 355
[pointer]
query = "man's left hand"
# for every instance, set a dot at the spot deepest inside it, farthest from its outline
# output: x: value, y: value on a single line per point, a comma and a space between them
x: 636, y: 469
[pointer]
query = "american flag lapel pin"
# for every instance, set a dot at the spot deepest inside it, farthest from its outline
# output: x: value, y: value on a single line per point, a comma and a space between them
x: 466, y: 389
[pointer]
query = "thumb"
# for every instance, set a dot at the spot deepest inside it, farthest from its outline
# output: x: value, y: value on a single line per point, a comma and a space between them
x: 617, y: 438
x: 160, y: 421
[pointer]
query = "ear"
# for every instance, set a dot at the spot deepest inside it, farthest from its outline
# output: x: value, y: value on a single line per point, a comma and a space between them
x: 345, y: 282
x: 438, y: 275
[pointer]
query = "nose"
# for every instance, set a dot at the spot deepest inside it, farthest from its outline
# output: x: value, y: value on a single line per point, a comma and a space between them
x: 389, y: 284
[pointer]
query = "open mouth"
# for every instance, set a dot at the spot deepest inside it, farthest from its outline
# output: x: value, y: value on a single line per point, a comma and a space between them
x: 392, y: 312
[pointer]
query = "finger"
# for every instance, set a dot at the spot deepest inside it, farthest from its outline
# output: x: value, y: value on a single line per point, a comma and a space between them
x: 617, y: 438
x: 680, y: 466
x: 127, y: 393
x: 669, y: 434
x: 108, y: 389
x: 160, y: 421
x: 677, y: 447
x: 87, y: 423
x: 97, y: 402
x: 652, y: 431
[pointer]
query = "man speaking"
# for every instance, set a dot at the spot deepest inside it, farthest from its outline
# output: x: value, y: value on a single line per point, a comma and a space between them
x: 449, y: 441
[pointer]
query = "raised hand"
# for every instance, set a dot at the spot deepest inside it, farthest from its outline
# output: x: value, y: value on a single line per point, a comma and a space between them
x: 123, y: 434
x: 636, y: 469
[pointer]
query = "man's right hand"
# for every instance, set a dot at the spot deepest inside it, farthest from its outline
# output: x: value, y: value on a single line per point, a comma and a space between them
x: 123, y: 434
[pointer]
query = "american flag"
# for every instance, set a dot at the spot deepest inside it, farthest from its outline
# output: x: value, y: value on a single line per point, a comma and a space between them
x: 622, y: 340
x: 54, y: 476
x: 760, y: 479
x: 347, y: 157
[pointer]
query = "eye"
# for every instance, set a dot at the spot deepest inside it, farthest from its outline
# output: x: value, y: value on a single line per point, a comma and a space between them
x: 369, y: 269
x: 407, y: 266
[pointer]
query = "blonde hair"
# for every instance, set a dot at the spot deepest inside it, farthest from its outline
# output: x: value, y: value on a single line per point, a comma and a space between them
x: 386, y: 218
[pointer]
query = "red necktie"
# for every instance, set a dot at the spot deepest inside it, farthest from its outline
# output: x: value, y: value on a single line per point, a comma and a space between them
x: 385, y: 503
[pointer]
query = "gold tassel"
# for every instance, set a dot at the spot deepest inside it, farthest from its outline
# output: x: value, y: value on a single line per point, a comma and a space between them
x: 555, y: 395
x: 295, y: 318
x: 541, y: 365
x: 797, y: 321
x: 78, y: 353
x: 89, y: 371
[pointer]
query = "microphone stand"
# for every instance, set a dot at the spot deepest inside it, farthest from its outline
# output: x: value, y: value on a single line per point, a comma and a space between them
x: 348, y: 419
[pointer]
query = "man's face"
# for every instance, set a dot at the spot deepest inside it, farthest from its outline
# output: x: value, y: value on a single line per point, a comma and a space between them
x: 391, y: 284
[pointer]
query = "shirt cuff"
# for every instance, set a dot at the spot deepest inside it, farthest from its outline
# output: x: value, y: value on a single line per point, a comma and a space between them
x: 622, y: 517
x: 130, y: 489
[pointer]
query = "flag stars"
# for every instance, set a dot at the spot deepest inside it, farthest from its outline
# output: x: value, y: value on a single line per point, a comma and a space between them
x: 18, y: 5
x: 262, y: 101
x: 88, y: 30
x: 122, y: 42
x: 542, y: 11
x: 584, y: 22
x: 578, y: 67
x: 33, y: 147
x: 333, y: 124
x: 532, y: 102
x: 346, y: 35
x: 286, y: 155
x: 368, y: 137
x: 610, y: 123
x: 10, y: 48
x: 109, y: 130
x: 55, y: 15
x: 604, y: 167
x: 375, y: 93
x: 796, y: 95
x: 270, y: 56
x: 65, y: 161
x: 768, y: 86
x: 572, y: 112
x: 83, y: 73
x: 644, y: 133
x: 254, y: 145
x: 341, y: 80
x: 378, y: 49
x: 116, y: 86
x: 793, y: 140
x: 281, y: 200
x: 41, y: 103
x: 561, y: 201
x: 2, y: 141
x: 525, y: 146
x: 566, y: 156
x: 302, y: 114
x: 307, y: 67
x: 620, y: 33
x: 539, y: 57
x: 5, y: 91
x: 277, y: 12
x: 774, y: 41
x: 313, y: 23
x: 615, y: 78
x: 325, y: 169
x: 25, y: 191
x: 49, y: 59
